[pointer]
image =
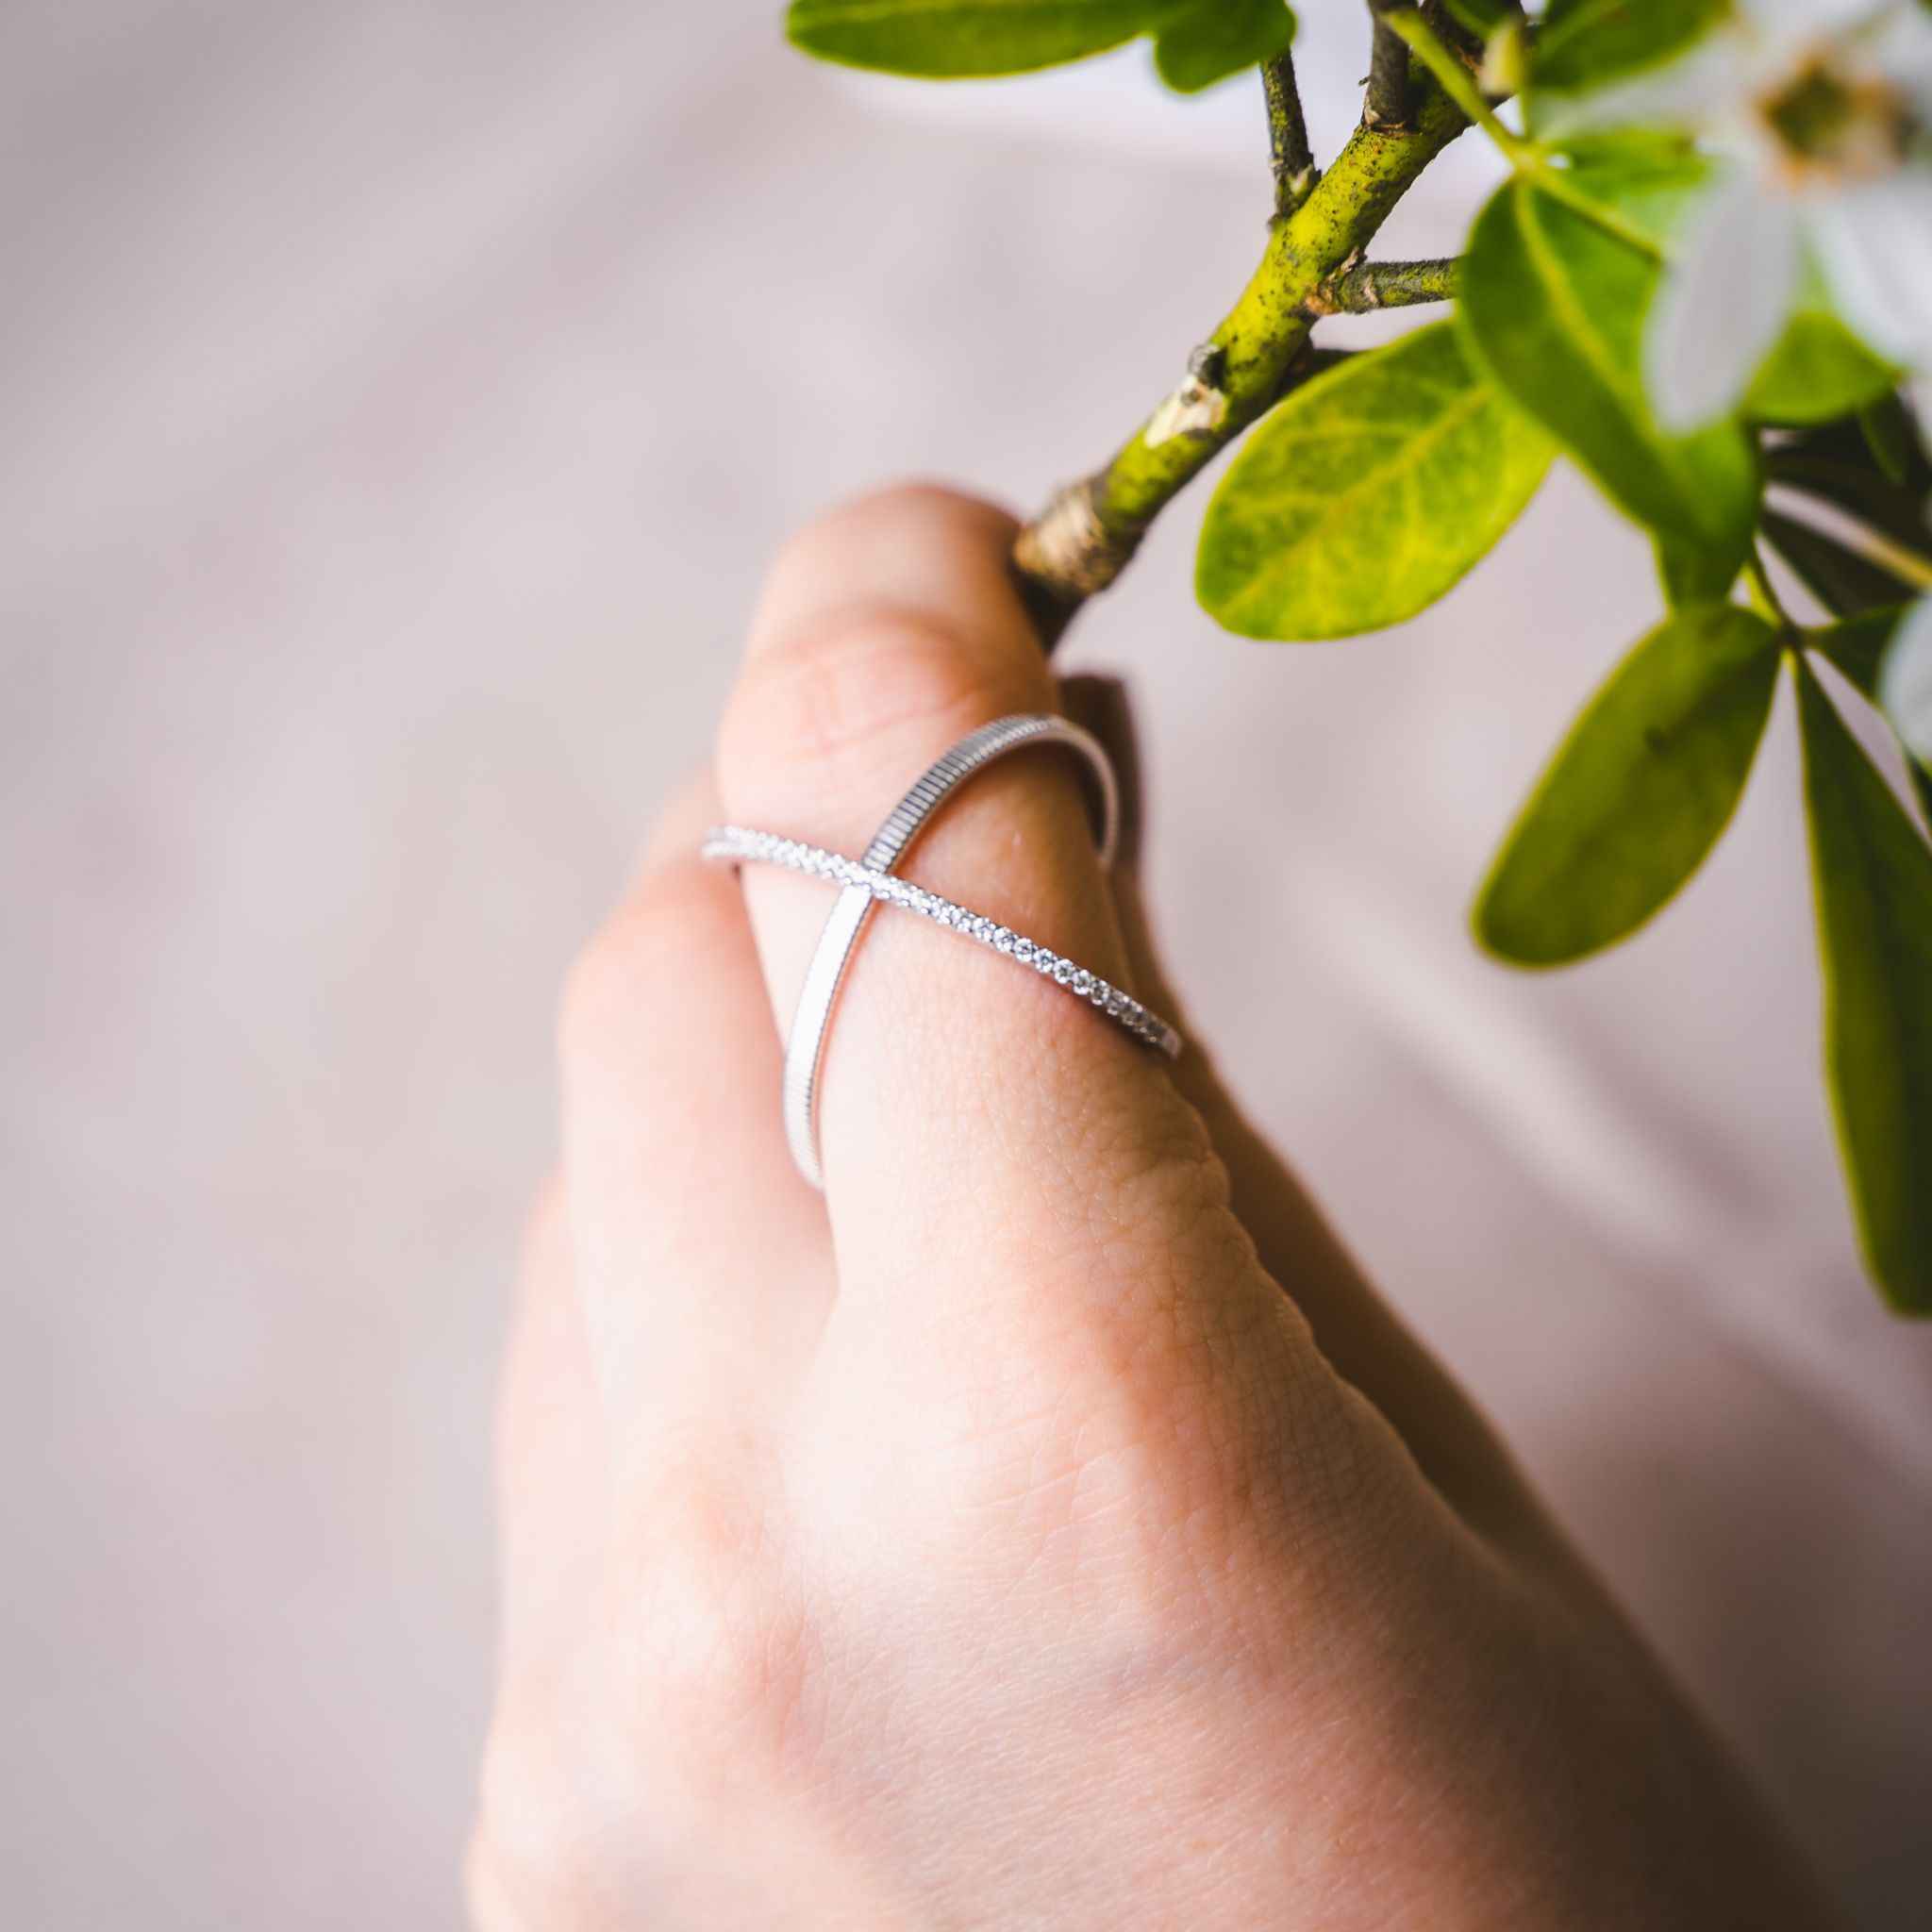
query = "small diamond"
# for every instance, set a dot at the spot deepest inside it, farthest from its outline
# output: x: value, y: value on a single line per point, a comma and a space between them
x: 982, y: 929
x: 1116, y: 1001
x: 1063, y: 971
x: 1004, y: 941
x: 1083, y: 982
x: 1022, y: 950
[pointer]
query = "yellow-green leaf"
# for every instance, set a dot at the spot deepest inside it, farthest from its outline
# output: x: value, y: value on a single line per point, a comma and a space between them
x: 1367, y: 494
x: 1638, y: 793
x: 1872, y: 875
x: 1585, y: 44
x: 1816, y: 370
x: 1553, y: 304
x: 964, y: 38
x: 1214, y: 38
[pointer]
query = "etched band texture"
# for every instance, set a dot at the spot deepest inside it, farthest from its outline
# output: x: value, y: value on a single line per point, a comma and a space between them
x: 804, y: 1046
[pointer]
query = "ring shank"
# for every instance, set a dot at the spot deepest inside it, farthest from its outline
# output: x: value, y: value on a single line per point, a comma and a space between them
x: 805, y: 1048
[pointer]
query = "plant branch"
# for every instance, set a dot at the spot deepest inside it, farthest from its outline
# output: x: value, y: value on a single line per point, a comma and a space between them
x: 1364, y: 286
x: 1452, y: 74
x: 1085, y: 536
x: 1385, y: 104
x: 1289, y: 152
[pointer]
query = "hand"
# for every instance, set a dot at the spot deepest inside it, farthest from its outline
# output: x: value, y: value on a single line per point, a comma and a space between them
x: 1047, y: 1526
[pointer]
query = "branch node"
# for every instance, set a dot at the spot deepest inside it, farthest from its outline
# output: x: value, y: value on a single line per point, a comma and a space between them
x: 1291, y: 158
x: 1387, y: 103
x: 1197, y: 405
x: 1359, y: 287
x: 1068, y: 550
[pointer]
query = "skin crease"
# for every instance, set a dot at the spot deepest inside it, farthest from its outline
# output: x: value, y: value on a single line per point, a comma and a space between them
x: 1047, y: 1526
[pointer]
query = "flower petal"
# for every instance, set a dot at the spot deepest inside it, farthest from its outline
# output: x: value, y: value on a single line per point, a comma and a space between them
x: 1724, y: 303
x: 1793, y: 23
x: 1699, y: 87
x: 1905, y: 681
x: 1900, y: 51
x: 1874, y: 243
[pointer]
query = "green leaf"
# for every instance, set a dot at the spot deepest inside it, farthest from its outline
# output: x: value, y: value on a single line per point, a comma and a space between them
x: 1554, y: 305
x: 1366, y: 493
x: 1583, y: 43
x: 1856, y: 646
x: 1480, y: 17
x: 1692, y: 574
x: 1218, y: 38
x: 1835, y: 461
x: 1817, y: 370
x: 1651, y: 180
x: 1887, y: 426
x: 1840, y: 579
x: 1872, y: 878
x: 1637, y: 793
x: 960, y: 39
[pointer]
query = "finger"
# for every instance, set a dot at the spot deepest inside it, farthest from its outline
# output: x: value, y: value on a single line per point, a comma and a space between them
x: 1364, y: 1341
x: 973, y: 1115
x: 1361, y: 1337
x: 704, y: 1260
x: 552, y: 1444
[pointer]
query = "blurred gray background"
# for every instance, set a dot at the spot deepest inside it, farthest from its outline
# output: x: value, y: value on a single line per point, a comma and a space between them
x: 398, y: 401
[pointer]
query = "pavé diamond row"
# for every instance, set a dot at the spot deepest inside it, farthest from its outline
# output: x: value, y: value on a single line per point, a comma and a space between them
x: 738, y: 845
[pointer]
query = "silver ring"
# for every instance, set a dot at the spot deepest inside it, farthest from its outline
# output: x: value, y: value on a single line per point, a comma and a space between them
x: 740, y: 845
x: 804, y: 1049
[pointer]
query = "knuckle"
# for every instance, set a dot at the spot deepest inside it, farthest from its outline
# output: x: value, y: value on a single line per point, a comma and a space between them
x: 1168, y: 1436
x: 724, y: 1651
x: 861, y: 684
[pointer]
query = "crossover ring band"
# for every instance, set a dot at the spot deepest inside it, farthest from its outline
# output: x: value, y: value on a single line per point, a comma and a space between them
x: 740, y: 845
x: 804, y: 1049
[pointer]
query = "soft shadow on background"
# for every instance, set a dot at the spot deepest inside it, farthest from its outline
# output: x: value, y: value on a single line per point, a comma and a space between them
x: 399, y: 403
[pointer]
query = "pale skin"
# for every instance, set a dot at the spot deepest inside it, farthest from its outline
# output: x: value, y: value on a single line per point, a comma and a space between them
x: 1048, y: 1525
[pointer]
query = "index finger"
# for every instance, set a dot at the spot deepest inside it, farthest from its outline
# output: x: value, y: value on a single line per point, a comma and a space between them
x: 973, y: 1112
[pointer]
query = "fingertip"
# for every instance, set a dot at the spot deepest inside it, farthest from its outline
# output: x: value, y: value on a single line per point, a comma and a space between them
x: 917, y: 545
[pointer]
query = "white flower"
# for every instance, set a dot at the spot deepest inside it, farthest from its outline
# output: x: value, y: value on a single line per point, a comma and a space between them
x: 1820, y: 111
x: 1905, y: 681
